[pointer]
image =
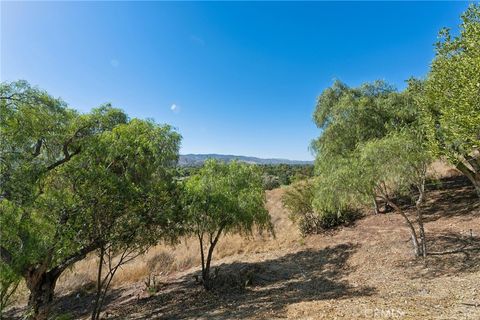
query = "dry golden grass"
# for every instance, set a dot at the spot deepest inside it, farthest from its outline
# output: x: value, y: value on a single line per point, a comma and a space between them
x: 185, y: 255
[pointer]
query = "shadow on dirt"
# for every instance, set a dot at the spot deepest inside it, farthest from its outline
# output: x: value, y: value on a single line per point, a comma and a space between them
x: 74, y: 305
x: 450, y: 254
x: 262, y: 289
x: 452, y: 196
x: 460, y: 253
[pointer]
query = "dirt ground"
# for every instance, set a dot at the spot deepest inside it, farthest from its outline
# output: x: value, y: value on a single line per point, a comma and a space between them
x: 365, y: 271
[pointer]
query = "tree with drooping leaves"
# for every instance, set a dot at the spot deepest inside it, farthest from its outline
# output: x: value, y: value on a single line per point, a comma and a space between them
x: 374, y: 145
x: 72, y: 183
x: 347, y: 117
x: 453, y: 94
x: 224, y: 198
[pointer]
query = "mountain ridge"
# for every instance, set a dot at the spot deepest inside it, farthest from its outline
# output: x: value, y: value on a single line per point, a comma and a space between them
x: 197, y: 159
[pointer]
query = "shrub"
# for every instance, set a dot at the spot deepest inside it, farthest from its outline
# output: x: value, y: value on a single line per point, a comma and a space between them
x: 298, y: 200
x: 161, y: 262
x: 270, y: 182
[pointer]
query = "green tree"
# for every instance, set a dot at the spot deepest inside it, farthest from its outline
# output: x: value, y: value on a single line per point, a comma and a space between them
x: 224, y: 198
x: 403, y: 165
x: 374, y: 144
x: 453, y: 93
x: 125, y: 183
x: 347, y: 117
x: 73, y: 183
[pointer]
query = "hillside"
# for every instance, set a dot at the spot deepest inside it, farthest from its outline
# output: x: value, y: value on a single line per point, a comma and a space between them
x: 199, y: 159
x: 361, y: 272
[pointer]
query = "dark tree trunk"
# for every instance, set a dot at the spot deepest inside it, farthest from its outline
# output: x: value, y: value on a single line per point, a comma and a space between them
x: 413, y: 233
x: 207, y: 281
x: 42, y: 286
x: 423, y: 240
x: 206, y: 277
x: 206, y: 272
x: 473, y: 176
x: 375, y: 205
x: 96, y: 308
x: 419, y: 209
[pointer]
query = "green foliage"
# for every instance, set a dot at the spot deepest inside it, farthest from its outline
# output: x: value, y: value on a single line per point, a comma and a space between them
x: 348, y: 116
x: 402, y: 165
x: 452, y: 92
x: 9, y: 282
x: 453, y: 87
x: 274, y: 175
x: 298, y: 199
x: 353, y: 120
x: 375, y: 144
x: 226, y: 196
x: 285, y: 174
x: 74, y: 182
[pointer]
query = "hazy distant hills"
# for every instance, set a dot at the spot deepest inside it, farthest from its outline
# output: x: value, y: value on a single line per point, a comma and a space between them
x: 198, y: 159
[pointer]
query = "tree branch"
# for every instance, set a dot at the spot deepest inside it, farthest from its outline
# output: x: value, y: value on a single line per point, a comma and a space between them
x: 5, y: 255
x: 67, y: 157
x: 38, y: 147
x: 77, y: 256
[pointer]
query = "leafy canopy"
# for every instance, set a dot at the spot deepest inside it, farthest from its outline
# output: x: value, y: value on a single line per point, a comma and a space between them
x: 366, y: 131
x: 228, y: 196
x: 453, y: 88
x: 71, y: 182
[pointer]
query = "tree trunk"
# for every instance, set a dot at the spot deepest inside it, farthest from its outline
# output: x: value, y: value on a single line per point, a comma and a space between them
x: 423, y: 239
x: 202, y: 255
x: 413, y: 233
x: 206, y: 272
x: 42, y: 286
x: 375, y: 205
x: 207, y: 282
x: 96, y: 307
x: 418, y: 207
x: 472, y: 175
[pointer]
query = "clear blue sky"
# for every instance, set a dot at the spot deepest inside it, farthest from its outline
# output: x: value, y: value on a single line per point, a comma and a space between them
x: 235, y: 78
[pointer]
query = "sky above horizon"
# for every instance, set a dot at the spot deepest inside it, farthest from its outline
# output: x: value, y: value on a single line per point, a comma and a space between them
x: 233, y: 78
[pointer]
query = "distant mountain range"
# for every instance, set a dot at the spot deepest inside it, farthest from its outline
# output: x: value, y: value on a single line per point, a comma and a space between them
x: 187, y: 160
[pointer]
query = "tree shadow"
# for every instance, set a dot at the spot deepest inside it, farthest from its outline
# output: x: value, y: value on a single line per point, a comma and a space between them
x: 451, y: 196
x: 74, y: 305
x: 460, y: 254
x: 271, y: 285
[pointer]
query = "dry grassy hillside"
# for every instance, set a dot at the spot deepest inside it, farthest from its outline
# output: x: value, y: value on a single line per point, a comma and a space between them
x: 366, y: 271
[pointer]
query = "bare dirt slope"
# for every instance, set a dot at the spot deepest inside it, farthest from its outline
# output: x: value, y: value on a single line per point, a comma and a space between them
x: 365, y: 271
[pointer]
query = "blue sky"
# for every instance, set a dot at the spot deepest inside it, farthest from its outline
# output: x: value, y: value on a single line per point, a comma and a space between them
x: 234, y: 78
